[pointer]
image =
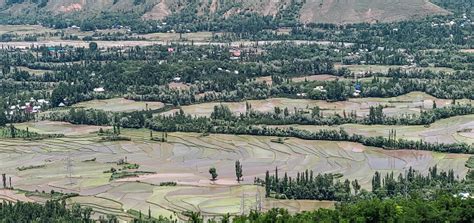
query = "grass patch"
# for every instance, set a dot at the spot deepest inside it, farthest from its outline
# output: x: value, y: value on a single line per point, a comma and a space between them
x: 52, y: 195
x: 114, y: 138
x: 279, y: 140
x: 90, y: 160
x: 164, y: 184
x: 130, y: 166
x: 470, y: 162
x: 125, y: 174
x: 10, y: 132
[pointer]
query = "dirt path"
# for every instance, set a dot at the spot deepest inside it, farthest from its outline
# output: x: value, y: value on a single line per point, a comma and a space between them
x: 13, y: 196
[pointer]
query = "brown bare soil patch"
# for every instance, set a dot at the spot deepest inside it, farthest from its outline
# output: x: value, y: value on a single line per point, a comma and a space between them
x: 158, y: 12
x: 356, y: 11
x: 319, y: 77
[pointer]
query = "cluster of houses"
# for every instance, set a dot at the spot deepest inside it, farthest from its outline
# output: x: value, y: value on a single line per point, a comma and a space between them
x: 464, y: 195
x: 356, y: 93
x: 461, y: 21
x: 227, y: 71
x: 235, y: 54
x: 99, y: 90
x: 31, y: 107
x: 118, y: 27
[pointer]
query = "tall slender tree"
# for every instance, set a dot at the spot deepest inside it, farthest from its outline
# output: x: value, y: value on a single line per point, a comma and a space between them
x: 4, y: 180
x: 238, y: 170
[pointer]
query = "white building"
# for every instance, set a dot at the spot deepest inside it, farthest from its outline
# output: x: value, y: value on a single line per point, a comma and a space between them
x: 99, y: 89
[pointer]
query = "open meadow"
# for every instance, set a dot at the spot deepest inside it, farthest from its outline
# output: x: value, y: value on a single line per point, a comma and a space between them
x: 81, y: 162
x: 33, y: 71
x: 23, y: 30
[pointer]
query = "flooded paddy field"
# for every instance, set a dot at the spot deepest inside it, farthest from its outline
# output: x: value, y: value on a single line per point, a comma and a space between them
x: 79, y: 163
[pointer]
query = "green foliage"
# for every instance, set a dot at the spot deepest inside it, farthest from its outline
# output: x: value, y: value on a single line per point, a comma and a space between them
x: 113, y: 138
x: 412, y: 182
x: 328, y: 187
x: 129, y: 166
x: 126, y: 174
x: 164, y: 184
x: 3, y: 116
x: 305, y: 186
x: 238, y: 170
x: 11, y: 132
x: 23, y: 168
x: 93, y: 46
x: 51, y: 211
x: 470, y: 162
x: 241, y: 125
x: 444, y: 208
x: 213, y: 172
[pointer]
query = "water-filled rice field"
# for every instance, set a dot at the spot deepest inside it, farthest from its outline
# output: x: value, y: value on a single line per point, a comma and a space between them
x: 411, y: 103
x: 77, y: 163
x: 457, y: 129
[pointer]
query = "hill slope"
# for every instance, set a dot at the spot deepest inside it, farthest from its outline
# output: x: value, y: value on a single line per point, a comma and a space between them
x: 355, y: 11
x: 306, y: 11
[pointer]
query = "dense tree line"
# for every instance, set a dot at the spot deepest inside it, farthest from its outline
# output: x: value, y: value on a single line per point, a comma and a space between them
x: 444, y: 208
x: 307, y: 185
x: 223, y: 121
x: 412, y: 182
x: 187, y: 123
x: 59, y: 211
x: 51, y: 211
x: 315, y: 116
x: 80, y: 116
x: 143, y: 73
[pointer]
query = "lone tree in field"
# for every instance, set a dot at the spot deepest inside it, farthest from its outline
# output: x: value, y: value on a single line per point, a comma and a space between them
x: 267, y: 184
x: 238, y: 170
x: 213, y: 173
x: 93, y: 46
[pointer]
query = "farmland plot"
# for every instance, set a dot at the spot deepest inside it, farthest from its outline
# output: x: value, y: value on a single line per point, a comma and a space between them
x: 411, y: 103
x: 80, y: 164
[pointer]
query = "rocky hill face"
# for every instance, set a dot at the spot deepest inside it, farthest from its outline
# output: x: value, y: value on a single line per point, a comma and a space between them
x: 306, y: 11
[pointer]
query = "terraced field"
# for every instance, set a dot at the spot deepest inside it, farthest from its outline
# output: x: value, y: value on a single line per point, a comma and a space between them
x: 51, y: 127
x: 410, y: 103
x: 451, y: 130
x: 186, y: 159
